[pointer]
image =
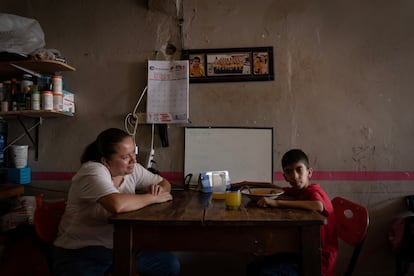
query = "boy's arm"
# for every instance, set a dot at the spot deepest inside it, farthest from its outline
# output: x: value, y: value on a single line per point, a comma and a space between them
x: 314, y: 205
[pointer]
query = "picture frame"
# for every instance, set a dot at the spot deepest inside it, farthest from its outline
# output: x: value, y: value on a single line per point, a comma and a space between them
x: 230, y: 64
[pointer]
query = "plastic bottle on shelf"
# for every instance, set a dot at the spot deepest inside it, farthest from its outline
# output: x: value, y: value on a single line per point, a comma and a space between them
x: 2, y: 99
x: 5, y: 104
x: 28, y: 98
x: 13, y: 94
x: 43, y: 83
x: 47, y: 100
x: 27, y: 81
x: 35, y: 105
x: 1, y: 92
x: 57, y: 84
x: 3, y: 142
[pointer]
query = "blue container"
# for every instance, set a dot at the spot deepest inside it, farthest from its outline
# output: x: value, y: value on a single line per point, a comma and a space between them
x: 19, y: 176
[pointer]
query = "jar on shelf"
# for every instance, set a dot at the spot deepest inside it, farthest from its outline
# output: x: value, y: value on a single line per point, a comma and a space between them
x: 47, y: 100
x: 27, y: 82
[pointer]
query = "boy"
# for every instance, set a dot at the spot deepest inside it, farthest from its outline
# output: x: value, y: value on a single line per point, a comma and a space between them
x: 296, y: 171
x: 195, y: 69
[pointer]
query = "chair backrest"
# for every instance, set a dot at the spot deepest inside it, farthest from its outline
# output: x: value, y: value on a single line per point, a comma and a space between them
x: 352, y: 221
x: 46, y: 218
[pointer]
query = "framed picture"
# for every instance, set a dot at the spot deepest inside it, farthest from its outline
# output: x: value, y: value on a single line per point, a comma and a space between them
x: 232, y: 64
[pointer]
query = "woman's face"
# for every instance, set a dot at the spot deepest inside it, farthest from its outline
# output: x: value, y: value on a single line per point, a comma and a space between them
x: 123, y: 160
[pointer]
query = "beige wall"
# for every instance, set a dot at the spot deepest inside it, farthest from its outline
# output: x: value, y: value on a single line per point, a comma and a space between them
x: 342, y: 90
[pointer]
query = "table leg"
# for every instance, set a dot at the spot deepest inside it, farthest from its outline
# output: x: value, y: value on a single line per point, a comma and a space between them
x: 311, y: 250
x: 123, y: 251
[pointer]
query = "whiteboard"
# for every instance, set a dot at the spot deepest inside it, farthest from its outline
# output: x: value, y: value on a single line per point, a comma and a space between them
x: 246, y: 153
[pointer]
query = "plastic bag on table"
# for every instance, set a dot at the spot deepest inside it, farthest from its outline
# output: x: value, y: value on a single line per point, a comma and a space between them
x: 20, y: 34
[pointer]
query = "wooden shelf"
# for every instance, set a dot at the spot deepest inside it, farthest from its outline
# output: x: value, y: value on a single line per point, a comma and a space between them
x: 39, y: 66
x: 36, y: 113
x: 43, y: 67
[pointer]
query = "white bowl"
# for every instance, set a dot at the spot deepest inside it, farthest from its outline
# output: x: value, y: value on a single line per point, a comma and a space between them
x: 257, y: 193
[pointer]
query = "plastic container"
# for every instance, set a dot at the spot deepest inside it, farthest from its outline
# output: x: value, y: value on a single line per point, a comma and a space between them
x: 47, y: 100
x: 218, y: 185
x: 43, y: 83
x: 57, y: 84
x: 3, y: 141
x: 18, y: 154
x: 19, y: 176
x: 26, y: 83
x: 4, y: 106
x: 35, y: 100
x: 1, y: 92
x: 57, y: 101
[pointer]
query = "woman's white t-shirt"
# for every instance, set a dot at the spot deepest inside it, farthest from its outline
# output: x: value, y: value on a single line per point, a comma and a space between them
x: 85, y: 221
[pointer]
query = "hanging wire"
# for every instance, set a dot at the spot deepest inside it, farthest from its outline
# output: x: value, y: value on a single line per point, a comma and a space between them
x: 131, y: 120
x: 180, y: 25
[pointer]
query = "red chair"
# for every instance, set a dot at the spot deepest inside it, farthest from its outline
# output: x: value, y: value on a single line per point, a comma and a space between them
x: 46, y: 219
x: 352, y: 222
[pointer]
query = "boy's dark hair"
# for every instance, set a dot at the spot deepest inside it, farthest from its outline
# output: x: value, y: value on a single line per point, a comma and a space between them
x: 104, y: 145
x: 294, y: 156
x: 197, y: 58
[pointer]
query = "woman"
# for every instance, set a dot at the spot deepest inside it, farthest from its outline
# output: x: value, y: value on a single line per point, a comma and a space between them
x: 104, y: 185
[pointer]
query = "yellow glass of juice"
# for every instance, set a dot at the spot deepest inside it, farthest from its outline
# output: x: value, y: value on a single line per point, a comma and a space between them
x: 233, y: 200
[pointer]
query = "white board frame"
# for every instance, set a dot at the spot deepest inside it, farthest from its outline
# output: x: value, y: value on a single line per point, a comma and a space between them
x: 247, y: 153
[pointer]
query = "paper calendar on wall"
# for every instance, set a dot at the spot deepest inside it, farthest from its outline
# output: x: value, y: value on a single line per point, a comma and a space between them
x: 168, y: 86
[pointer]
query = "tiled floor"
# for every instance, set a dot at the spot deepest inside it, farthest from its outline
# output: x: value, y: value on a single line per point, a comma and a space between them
x: 22, y: 257
x: 212, y: 263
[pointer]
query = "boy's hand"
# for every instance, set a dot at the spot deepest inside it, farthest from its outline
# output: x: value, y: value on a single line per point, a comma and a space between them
x: 267, y: 202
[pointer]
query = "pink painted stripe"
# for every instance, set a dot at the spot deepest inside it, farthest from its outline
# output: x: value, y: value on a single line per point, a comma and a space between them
x: 278, y: 176
x: 52, y: 175
x: 357, y: 176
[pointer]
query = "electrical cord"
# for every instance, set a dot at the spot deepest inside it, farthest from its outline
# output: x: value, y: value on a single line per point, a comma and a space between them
x: 152, y: 152
x: 131, y: 125
x: 131, y: 120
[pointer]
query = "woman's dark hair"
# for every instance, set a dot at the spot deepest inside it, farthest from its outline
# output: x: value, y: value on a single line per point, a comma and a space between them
x: 293, y: 156
x: 104, y: 145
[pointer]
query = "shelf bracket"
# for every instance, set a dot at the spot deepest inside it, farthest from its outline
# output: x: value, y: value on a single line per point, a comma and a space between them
x: 35, y: 139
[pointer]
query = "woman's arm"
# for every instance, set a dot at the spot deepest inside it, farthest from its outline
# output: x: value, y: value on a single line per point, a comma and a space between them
x: 118, y: 203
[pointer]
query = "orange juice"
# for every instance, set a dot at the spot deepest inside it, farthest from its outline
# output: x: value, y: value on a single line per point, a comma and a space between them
x: 233, y: 200
x: 219, y: 195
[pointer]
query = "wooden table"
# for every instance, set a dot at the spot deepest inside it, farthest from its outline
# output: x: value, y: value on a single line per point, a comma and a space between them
x: 195, y: 222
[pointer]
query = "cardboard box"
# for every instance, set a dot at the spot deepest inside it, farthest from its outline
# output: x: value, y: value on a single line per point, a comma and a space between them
x: 68, y: 102
x: 19, y: 176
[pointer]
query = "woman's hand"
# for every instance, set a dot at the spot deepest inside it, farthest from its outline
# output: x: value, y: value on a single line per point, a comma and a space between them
x: 155, y: 189
x: 163, y: 197
x: 159, y: 193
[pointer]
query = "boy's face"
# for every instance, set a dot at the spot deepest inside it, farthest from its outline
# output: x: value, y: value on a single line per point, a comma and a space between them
x: 196, y: 62
x: 297, y: 175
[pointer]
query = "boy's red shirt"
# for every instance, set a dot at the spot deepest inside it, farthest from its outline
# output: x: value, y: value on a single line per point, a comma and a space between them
x: 329, y: 237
